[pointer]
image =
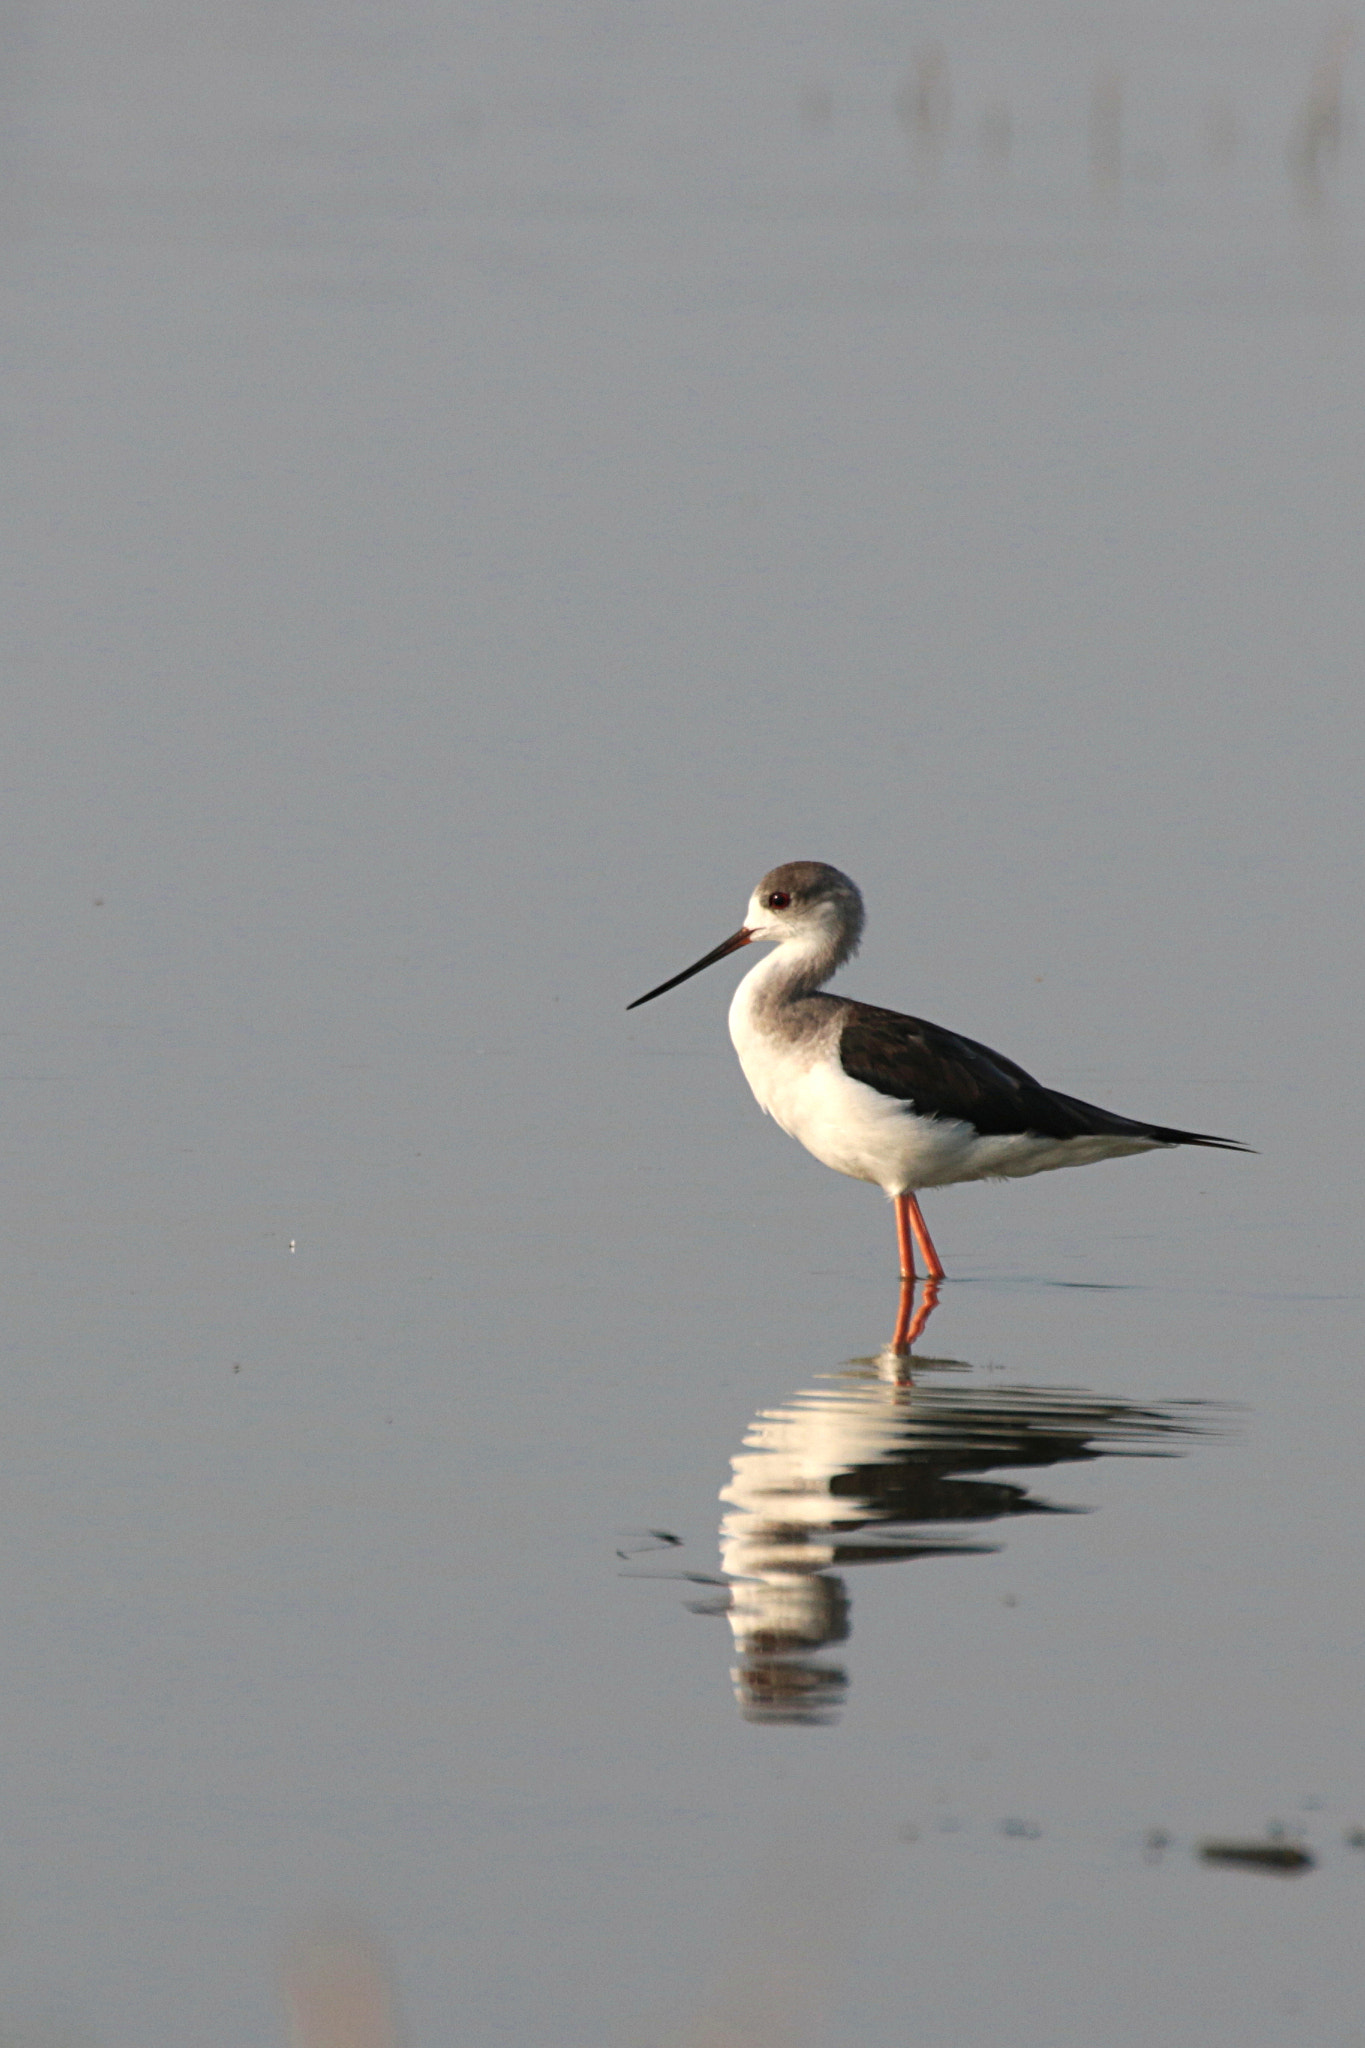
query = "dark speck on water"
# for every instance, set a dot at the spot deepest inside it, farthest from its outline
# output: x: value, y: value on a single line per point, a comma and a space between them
x: 1284, y: 1859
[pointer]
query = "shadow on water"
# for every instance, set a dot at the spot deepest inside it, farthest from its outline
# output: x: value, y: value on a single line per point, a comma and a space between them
x: 874, y: 1464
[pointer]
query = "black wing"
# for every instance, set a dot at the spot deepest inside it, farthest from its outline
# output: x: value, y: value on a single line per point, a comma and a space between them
x: 939, y: 1073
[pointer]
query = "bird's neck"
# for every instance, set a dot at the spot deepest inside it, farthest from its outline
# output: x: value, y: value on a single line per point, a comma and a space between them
x: 796, y: 968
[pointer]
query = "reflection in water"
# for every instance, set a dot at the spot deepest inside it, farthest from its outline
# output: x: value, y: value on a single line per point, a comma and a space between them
x: 910, y: 1321
x: 338, y: 1991
x: 924, y: 105
x: 1315, y: 141
x: 869, y: 1466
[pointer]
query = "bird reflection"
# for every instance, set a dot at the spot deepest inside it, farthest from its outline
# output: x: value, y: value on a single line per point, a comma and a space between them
x: 1319, y: 126
x: 911, y: 1317
x: 339, y: 1991
x: 869, y: 1466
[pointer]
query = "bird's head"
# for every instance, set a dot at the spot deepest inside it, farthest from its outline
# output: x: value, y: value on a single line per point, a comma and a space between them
x: 804, y: 900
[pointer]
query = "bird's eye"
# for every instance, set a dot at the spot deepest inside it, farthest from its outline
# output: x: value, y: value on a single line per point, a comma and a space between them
x: 779, y: 900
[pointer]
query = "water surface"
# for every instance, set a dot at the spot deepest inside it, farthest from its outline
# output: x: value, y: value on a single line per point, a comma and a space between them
x: 482, y: 488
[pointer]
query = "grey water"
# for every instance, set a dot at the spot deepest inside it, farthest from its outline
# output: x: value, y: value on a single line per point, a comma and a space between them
x: 481, y: 486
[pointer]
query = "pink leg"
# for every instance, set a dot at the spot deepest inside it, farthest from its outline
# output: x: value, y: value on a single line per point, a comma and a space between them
x: 904, y: 1203
x: 933, y: 1264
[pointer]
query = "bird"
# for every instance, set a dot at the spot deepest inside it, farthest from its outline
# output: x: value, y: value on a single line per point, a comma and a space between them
x: 886, y: 1098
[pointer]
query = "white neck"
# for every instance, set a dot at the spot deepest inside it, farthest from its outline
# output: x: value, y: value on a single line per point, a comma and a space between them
x: 795, y: 968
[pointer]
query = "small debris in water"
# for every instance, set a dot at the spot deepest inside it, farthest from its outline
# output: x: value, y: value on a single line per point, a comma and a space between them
x: 1021, y: 1830
x: 638, y: 1540
x: 1155, y: 1843
x: 1354, y: 1838
x: 1283, y: 1858
x: 907, y: 1832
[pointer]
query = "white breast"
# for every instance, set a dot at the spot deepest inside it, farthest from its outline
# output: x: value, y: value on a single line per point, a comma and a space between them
x: 857, y: 1130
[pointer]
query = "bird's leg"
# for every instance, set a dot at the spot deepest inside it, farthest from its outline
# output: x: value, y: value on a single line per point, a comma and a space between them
x: 910, y: 1320
x: 904, y: 1204
x: 933, y: 1264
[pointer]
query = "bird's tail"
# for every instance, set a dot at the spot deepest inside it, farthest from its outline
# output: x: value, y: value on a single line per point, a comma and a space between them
x: 1199, y: 1138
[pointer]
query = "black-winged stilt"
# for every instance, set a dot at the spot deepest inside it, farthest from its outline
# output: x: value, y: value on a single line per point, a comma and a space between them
x: 887, y: 1098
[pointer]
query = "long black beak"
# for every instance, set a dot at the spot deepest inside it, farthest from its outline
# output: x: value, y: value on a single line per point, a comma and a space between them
x: 731, y: 945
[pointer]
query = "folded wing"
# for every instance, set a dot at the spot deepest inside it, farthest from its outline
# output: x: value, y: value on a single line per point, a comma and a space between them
x: 936, y: 1072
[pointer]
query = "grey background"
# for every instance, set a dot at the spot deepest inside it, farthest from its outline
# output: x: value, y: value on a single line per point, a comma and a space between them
x: 483, y: 484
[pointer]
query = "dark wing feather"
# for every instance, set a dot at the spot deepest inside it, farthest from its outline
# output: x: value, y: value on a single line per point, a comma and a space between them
x: 939, y: 1073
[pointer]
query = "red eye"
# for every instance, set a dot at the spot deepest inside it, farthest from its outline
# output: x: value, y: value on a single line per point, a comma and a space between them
x: 779, y: 900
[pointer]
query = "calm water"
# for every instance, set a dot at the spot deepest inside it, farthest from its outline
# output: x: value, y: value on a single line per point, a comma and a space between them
x: 482, y: 486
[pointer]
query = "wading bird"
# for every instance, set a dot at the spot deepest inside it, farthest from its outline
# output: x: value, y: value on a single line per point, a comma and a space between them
x: 886, y: 1098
